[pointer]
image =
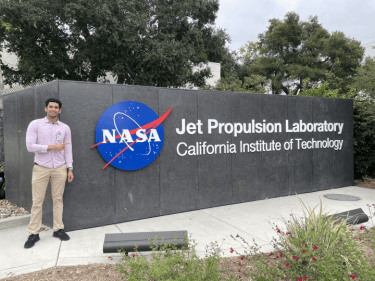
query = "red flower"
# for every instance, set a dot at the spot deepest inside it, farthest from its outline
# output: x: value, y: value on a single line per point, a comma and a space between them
x: 242, y: 258
x: 239, y: 270
x: 315, y: 247
x: 303, y: 251
x: 294, y: 257
x: 361, y: 227
x: 133, y: 255
x: 353, y: 277
x: 231, y: 250
x: 278, y: 231
x: 303, y: 243
x: 271, y: 254
x: 299, y: 279
x: 314, y: 259
x: 287, y: 233
x: 287, y: 264
x: 239, y: 264
x: 281, y: 255
x: 304, y: 278
x: 290, y: 251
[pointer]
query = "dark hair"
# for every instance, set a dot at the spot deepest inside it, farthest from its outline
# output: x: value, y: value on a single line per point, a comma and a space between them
x: 53, y: 100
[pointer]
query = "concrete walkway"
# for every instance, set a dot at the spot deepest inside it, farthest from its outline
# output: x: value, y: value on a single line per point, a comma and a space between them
x: 253, y: 221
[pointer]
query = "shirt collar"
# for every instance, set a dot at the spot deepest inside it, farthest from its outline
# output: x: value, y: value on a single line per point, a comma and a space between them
x: 47, y: 121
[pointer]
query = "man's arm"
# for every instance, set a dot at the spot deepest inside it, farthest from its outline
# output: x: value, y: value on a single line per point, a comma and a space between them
x: 31, y: 138
x: 70, y: 175
x: 69, y: 154
x: 68, y: 149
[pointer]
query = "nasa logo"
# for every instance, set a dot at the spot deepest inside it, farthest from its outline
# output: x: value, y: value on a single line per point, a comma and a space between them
x: 129, y: 135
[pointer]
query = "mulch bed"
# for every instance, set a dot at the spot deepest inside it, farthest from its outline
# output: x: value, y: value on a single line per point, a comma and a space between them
x: 367, y: 183
x: 8, y: 209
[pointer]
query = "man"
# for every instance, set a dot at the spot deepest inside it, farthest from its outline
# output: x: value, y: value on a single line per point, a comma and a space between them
x: 50, y: 140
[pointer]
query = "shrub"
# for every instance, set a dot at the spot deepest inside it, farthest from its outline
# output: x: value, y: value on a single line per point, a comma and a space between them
x: 169, y: 263
x: 314, y: 247
x: 364, y: 141
x: 363, y: 125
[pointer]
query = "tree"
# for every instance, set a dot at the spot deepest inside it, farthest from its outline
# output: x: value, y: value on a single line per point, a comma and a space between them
x: 292, y: 50
x: 232, y: 83
x: 363, y: 125
x: 235, y: 75
x: 364, y: 79
x: 143, y: 42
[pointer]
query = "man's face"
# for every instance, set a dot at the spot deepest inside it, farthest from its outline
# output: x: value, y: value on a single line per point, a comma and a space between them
x: 53, y: 110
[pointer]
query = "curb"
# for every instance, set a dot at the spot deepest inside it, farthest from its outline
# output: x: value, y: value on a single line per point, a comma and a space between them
x: 14, y: 221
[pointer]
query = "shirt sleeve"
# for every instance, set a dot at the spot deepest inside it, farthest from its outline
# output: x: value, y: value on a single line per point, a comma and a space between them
x: 31, y: 138
x: 68, y: 149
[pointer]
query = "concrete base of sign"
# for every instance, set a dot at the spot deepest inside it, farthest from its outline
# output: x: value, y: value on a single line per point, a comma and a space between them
x: 143, y: 241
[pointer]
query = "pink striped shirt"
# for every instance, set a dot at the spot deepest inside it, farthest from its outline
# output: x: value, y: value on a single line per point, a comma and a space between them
x: 40, y: 134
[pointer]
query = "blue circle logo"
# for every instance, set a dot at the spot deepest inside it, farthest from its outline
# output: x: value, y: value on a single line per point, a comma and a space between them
x: 129, y: 135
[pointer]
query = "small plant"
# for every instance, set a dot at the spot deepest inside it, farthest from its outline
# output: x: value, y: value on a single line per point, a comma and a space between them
x: 170, y: 263
x: 371, y: 235
x: 315, y: 247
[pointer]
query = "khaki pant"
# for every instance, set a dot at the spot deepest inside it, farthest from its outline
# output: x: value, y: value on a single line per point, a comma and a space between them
x: 41, y: 177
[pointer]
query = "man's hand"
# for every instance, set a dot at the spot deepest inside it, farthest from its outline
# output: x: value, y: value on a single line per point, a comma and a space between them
x: 70, y: 175
x: 58, y: 147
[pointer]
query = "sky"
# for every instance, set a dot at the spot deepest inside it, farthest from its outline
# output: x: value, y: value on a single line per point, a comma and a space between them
x: 245, y: 19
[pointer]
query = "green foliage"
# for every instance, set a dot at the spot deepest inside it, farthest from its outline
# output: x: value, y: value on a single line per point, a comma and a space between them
x: 249, y: 53
x: 321, y: 91
x: 293, y: 50
x: 314, y: 247
x: 365, y: 77
x: 169, y: 263
x: 363, y: 125
x: 312, y: 227
x: 364, y: 141
x: 232, y: 83
x: 152, y: 42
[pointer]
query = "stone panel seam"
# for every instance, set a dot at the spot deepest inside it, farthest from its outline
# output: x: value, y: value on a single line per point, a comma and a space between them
x: 231, y: 156
x: 313, y: 151
x: 58, y: 89
x: 112, y: 175
x: 158, y: 91
x: 198, y: 159
x: 19, y: 146
x: 334, y: 155
x: 288, y: 154
x: 262, y: 196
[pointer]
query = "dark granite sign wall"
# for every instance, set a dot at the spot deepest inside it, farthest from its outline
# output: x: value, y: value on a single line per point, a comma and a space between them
x: 219, y: 148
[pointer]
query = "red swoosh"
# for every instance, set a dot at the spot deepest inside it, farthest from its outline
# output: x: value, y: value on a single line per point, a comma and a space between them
x: 154, y: 124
